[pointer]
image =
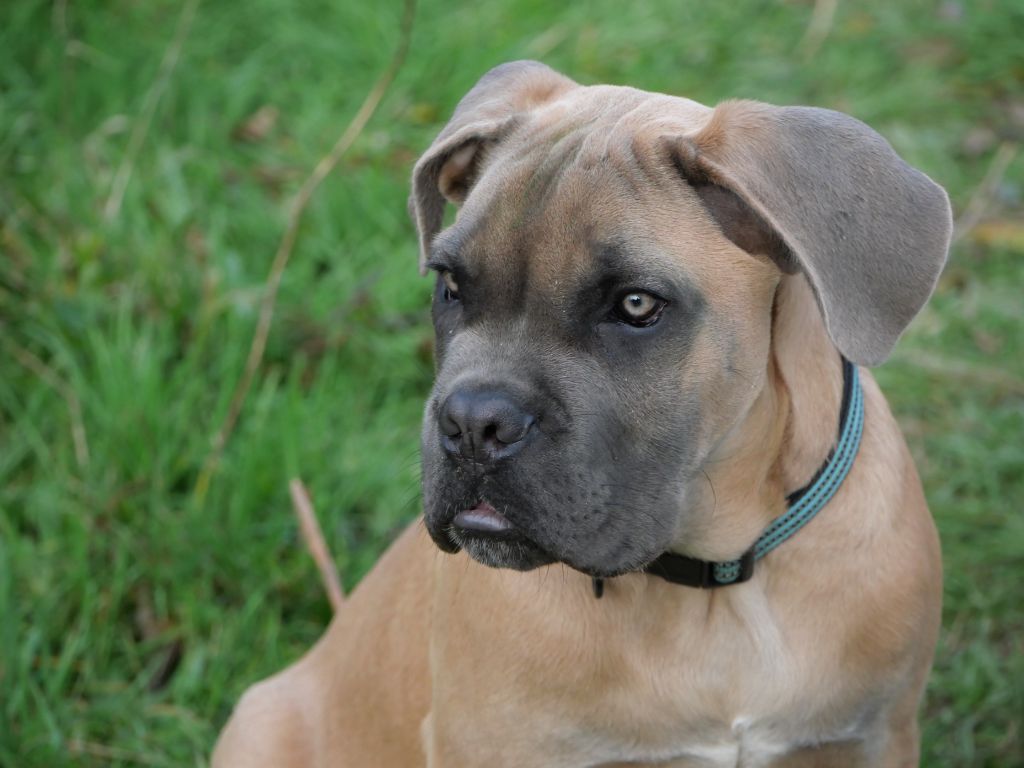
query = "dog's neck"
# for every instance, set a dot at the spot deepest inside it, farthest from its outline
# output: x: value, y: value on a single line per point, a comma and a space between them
x: 783, y: 438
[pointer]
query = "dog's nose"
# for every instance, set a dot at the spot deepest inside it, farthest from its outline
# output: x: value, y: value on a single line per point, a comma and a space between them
x: 482, y: 425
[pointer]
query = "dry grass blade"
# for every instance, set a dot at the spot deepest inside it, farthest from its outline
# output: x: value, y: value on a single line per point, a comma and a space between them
x: 284, y: 250
x: 65, y: 390
x: 822, y: 18
x: 974, y: 212
x: 315, y: 542
x: 967, y: 371
x: 149, y: 105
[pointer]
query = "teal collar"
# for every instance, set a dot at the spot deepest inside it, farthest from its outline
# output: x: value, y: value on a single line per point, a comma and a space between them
x: 804, y: 504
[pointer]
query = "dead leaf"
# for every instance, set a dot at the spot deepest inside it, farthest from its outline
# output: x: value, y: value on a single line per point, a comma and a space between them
x: 1000, y: 233
x: 423, y: 113
x: 978, y: 141
x: 989, y: 343
x: 257, y: 126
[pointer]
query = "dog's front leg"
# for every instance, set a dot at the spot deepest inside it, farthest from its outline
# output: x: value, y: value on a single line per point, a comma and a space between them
x: 903, y: 749
x: 894, y: 748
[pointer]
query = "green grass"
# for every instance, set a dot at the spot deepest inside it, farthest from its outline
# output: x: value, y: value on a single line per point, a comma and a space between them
x: 132, y: 611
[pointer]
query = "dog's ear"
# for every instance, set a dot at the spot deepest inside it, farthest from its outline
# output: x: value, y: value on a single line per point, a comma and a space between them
x: 488, y: 113
x: 822, y: 193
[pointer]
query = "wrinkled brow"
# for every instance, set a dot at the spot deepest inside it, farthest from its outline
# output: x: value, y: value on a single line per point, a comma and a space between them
x: 446, y: 249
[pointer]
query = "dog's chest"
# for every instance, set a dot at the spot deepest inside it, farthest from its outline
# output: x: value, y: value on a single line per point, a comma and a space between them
x: 744, y: 702
x: 744, y: 686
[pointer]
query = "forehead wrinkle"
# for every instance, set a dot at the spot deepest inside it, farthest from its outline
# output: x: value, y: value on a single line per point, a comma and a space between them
x: 448, y: 245
x: 592, y: 207
x: 556, y: 155
x: 518, y: 218
x: 601, y: 118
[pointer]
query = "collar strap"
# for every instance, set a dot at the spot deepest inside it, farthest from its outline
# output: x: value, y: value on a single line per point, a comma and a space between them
x: 804, y: 504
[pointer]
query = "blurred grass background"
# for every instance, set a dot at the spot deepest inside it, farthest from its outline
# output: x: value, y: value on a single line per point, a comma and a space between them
x: 133, y: 610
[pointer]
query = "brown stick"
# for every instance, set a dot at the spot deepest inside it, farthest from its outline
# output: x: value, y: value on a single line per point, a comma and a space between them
x: 284, y: 249
x: 315, y: 542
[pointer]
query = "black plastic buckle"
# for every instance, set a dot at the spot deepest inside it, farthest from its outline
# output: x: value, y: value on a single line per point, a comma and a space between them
x: 746, y: 567
x: 691, y: 572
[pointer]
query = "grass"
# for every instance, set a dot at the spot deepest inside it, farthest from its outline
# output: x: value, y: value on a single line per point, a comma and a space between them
x: 134, y: 610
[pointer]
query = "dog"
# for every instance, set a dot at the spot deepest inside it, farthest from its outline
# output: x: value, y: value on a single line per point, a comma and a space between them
x: 669, y: 519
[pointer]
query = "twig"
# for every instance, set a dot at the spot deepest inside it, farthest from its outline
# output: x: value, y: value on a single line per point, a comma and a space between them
x: 975, y: 209
x: 284, y: 250
x: 55, y: 382
x: 314, y: 538
x: 818, y: 28
x: 149, y: 105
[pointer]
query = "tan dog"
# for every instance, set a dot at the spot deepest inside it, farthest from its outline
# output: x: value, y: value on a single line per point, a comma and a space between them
x: 638, y: 313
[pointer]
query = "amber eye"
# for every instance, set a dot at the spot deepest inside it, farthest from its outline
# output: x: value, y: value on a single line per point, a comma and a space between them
x: 451, y: 288
x: 639, y: 308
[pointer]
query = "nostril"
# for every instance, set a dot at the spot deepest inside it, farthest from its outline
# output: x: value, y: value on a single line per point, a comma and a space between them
x: 482, y: 425
x: 451, y: 418
x: 513, y: 430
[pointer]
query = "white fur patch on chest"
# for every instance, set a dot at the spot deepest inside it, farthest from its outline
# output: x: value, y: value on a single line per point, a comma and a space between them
x: 757, y: 746
x: 748, y: 744
x: 750, y: 749
x: 753, y: 746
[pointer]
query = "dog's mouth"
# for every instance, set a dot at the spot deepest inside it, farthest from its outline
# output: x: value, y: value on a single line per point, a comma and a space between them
x: 490, y: 538
x: 483, y: 520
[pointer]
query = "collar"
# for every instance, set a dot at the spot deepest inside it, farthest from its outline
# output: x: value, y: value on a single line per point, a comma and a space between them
x: 804, y: 504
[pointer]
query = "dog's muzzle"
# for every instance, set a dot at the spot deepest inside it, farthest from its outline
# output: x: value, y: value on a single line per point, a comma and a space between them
x: 481, y: 429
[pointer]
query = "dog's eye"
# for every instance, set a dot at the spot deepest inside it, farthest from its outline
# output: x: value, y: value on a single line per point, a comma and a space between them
x: 639, y: 308
x: 450, y: 286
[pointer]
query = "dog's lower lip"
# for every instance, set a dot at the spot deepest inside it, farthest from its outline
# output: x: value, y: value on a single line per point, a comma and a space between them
x: 483, y: 518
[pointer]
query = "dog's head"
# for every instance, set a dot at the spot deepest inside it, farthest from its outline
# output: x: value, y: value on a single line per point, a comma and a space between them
x: 603, y: 301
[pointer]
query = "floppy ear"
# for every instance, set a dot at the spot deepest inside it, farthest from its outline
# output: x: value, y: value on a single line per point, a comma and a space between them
x: 822, y: 193
x: 487, y: 114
